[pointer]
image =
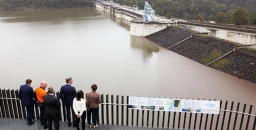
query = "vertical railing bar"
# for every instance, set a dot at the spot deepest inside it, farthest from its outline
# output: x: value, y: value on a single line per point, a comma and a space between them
x: 237, y: 109
x: 2, y: 104
x: 158, y: 116
x: 19, y: 106
x: 242, y: 119
x: 184, y: 120
x: 132, y: 116
x: 168, y: 122
x: 142, y: 119
x: 218, y: 117
x: 212, y: 119
x: 107, y: 110
x: 190, y: 117
x: 254, y: 124
x: 248, y: 119
x: 102, y: 109
x: 223, y: 119
x: 195, y: 119
x: 179, y: 119
x: 137, y: 114
x: 112, y: 110
x: 230, y: 114
x: 153, y: 116
x: 173, y: 124
x: 7, y: 110
x: 147, y: 118
x: 163, y: 119
x: 127, y: 111
x: 122, y: 110
x: 201, y: 118
x: 117, y: 110
x: 206, y: 121
x: 8, y: 94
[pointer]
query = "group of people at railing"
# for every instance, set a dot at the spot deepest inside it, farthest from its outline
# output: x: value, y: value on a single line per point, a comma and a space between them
x: 49, y: 105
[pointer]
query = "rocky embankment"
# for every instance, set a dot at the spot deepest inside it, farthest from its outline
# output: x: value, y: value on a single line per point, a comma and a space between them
x: 204, y: 49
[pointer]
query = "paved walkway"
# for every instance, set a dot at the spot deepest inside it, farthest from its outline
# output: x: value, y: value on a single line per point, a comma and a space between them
x: 19, y: 124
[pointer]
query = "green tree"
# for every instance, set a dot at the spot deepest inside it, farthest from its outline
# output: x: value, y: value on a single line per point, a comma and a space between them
x: 253, y: 17
x: 220, y: 17
x: 199, y: 17
x: 240, y: 16
x: 211, y: 18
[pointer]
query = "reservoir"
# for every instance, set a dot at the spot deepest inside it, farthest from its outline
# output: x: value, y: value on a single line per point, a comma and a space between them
x: 93, y: 47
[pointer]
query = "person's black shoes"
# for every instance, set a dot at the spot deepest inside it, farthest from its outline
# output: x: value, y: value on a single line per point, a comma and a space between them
x: 45, y: 127
x: 31, y: 123
x: 69, y: 124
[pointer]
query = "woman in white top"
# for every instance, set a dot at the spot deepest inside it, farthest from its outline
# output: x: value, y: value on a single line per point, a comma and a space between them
x: 79, y: 109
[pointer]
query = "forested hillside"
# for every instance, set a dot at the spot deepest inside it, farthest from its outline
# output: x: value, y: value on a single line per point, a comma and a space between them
x: 34, y: 4
x: 222, y: 11
x: 225, y: 11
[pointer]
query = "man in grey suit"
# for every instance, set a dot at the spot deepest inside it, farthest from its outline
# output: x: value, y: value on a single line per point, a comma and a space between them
x: 52, y: 109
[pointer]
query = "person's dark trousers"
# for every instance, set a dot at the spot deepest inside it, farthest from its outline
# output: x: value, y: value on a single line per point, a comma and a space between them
x: 83, y: 121
x: 30, y: 111
x: 94, y: 112
x: 55, y: 119
x: 43, y: 118
x: 73, y: 115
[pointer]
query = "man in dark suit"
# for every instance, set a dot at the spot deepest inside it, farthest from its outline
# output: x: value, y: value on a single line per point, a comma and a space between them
x: 67, y: 95
x: 26, y: 95
x: 52, y: 109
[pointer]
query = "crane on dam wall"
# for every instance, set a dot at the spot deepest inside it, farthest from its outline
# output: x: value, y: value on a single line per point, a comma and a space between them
x: 148, y: 13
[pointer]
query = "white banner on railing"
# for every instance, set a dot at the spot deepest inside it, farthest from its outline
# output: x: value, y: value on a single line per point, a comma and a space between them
x: 175, y: 105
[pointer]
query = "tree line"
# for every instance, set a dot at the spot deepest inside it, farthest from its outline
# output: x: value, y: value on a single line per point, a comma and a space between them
x: 221, y: 11
x: 35, y: 4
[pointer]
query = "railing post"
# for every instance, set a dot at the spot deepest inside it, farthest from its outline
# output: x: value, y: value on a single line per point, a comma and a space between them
x: 242, y: 118
x: 19, y: 106
x: 142, y: 119
x: 254, y: 124
x: 137, y: 120
x: 223, y: 119
x: 206, y: 121
x: 127, y: 111
x: 158, y: 113
x: 7, y: 110
x: 107, y: 111
x: 212, y: 120
x: 201, y: 118
x: 112, y: 110
x: 168, y: 122
x: 117, y: 110
x: 163, y: 119
x: 102, y: 109
x: 9, y: 102
x: 237, y: 109
x: 195, y: 120
x: 218, y: 117
x: 132, y: 116
x: 2, y: 104
x: 122, y: 109
x: 230, y: 114
x: 190, y: 117
x: 14, y: 105
x: 248, y: 119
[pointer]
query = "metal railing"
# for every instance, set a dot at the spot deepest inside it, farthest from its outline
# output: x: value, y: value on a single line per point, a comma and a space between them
x: 114, y: 111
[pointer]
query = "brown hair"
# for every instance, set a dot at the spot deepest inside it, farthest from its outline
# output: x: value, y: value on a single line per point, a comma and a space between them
x: 94, y: 87
x: 79, y: 95
x: 28, y: 81
x: 68, y: 79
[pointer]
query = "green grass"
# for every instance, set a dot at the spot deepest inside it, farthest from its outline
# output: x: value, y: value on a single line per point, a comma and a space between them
x: 214, y: 55
x: 252, y: 49
x: 221, y: 63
